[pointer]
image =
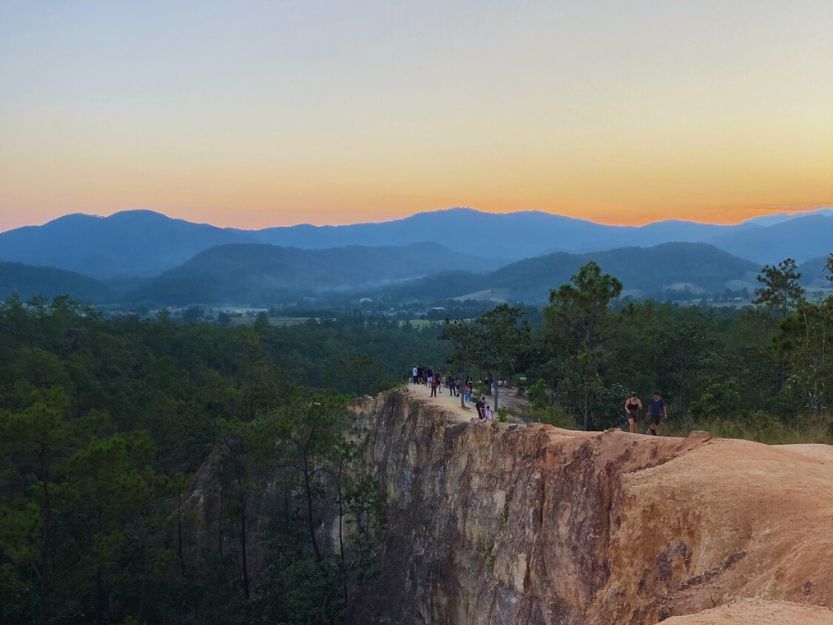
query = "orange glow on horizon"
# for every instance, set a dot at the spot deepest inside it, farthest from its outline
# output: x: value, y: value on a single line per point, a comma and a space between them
x: 324, y: 113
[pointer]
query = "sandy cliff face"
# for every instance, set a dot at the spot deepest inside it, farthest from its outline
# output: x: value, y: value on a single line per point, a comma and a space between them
x: 492, y: 524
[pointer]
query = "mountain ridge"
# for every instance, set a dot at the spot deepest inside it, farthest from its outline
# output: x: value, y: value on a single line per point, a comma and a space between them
x: 146, y: 243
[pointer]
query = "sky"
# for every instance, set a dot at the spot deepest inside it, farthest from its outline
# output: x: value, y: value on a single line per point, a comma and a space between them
x: 255, y: 114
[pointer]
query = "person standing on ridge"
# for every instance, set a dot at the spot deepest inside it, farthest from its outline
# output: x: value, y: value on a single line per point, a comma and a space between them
x: 480, y: 405
x: 633, y: 405
x: 657, y: 410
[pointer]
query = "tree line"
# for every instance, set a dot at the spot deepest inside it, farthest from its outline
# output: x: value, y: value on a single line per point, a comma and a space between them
x: 763, y: 372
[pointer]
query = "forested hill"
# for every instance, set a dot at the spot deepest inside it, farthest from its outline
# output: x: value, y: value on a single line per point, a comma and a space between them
x: 659, y: 271
x: 260, y: 273
x: 814, y: 272
x: 27, y: 281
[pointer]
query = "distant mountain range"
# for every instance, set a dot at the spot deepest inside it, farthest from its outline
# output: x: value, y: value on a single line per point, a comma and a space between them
x: 142, y: 257
x: 261, y: 274
x: 664, y: 271
x: 130, y: 243
x: 268, y: 274
x: 145, y: 243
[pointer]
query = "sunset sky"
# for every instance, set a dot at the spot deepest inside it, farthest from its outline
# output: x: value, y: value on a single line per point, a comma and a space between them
x: 272, y: 113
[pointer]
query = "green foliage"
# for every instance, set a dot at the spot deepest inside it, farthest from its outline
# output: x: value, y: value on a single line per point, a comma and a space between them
x: 780, y: 291
x: 495, y: 343
x: 806, y: 343
x: 763, y: 427
x: 103, y: 423
x: 577, y: 325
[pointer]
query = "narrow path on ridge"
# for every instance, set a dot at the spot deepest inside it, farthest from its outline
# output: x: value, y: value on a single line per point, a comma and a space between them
x: 449, y: 404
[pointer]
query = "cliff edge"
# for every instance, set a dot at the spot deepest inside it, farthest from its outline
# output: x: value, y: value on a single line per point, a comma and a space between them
x: 497, y: 524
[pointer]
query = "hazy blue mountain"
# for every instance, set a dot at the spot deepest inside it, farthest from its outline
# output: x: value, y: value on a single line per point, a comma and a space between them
x: 801, y: 238
x: 144, y: 243
x: 660, y: 271
x: 266, y: 274
x: 141, y: 243
x: 777, y: 218
x: 531, y: 233
x: 814, y: 273
x: 27, y: 281
x: 512, y: 235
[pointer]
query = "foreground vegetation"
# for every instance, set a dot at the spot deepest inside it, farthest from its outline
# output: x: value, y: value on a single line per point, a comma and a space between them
x: 104, y: 424
x: 108, y: 424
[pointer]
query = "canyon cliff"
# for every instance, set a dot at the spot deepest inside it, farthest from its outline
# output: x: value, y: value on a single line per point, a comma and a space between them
x: 533, y: 525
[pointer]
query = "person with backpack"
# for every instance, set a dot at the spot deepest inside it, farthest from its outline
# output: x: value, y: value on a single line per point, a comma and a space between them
x: 657, y: 410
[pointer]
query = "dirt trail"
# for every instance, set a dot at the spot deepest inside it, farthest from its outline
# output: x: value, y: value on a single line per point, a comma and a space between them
x: 449, y: 405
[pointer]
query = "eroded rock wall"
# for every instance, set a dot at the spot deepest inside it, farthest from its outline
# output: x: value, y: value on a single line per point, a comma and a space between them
x: 495, y: 524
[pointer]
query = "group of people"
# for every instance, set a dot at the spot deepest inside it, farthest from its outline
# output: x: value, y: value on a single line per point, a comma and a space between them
x: 436, y: 381
x: 656, y: 412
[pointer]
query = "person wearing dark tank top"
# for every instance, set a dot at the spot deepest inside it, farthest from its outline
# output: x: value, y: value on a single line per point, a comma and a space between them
x: 632, y: 407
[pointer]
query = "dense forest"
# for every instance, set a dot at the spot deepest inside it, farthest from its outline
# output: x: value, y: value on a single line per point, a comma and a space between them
x: 104, y: 423
x: 109, y: 425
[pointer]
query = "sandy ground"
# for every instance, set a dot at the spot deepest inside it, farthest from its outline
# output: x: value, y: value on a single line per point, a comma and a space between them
x: 757, y: 612
x: 450, y: 405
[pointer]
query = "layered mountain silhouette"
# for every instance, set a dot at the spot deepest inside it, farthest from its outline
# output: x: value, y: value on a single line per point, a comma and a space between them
x: 145, y: 243
x: 145, y: 257
x: 265, y: 274
x: 665, y: 271
x: 129, y: 243
x: 269, y: 274
x: 27, y: 281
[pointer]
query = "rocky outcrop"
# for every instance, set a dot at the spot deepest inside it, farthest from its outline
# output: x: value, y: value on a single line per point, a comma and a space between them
x: 496, y: 524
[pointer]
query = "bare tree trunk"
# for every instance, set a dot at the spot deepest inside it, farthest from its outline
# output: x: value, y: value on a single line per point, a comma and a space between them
x: 341, y: 533
x: 46, y: 520
x: 244, y: 563
x: 179, y: 553
x: 241, y: 507
x: 310, y: 522
x: 494, y: 382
